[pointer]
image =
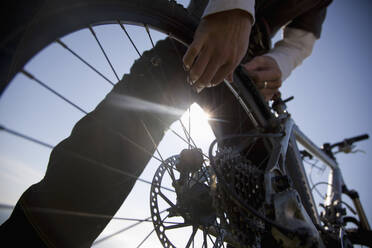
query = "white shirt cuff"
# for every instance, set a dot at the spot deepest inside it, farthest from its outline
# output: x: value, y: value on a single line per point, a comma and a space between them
x: 215, y: 6
x: 292, y: 50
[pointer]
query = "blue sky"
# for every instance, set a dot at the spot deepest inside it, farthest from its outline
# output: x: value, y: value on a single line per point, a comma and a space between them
x: 331, y: 89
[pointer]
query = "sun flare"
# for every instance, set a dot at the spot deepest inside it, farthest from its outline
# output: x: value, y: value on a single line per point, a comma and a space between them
x: 196, y: 122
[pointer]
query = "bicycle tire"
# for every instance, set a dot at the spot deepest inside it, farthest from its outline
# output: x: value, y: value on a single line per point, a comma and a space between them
x: 42, y: 22
x: 19, y: 42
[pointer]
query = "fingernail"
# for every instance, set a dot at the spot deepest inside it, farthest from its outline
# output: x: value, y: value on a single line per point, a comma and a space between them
x: 198, y: 88
x: 186, y: 67
x: 193, y: 78
x: 190, y: 80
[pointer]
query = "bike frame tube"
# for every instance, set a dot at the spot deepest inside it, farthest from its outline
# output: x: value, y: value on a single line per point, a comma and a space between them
x: 289, y: 139
x: 335, y: 179
x: 289, y: 124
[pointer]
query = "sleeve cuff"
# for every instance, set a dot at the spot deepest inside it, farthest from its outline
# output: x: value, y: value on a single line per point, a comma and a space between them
x: 215, y: 6
x: 292, y: 50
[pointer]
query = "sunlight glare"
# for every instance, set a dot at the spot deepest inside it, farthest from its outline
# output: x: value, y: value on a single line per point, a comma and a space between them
x: 199, y: 122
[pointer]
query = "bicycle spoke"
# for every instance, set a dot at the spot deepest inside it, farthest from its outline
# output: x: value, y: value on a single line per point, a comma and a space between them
x: 250, y: 147
x: 103, y: 51
x: 152, y: 140
x: 170, y: 203
x: 130, y: 39
x: 223, y: 245
x: 139, y: 147
x: 174, y: 132
x: 84, y: 61
x: 210, y: 238
x: 143, y: 241
x: 263, y: 160
x: 191, y: 239
x: 193, y: 179
x: 179, y: 136
x: 2, y: 128
x: 162, y: 71
x: 189, y: 115
x: 219, y: 236
x: 171, y: 173
x: 139, y: 221
x: 51, y: 147
x: 82, y: 157
x: 205, y: 239
x: 33, y: 78
x: 120, y: 231
x: 114, y: 169
x: 189, y: 92
x: 187, y: 133
x: 180, y: 57
x: 180, y: 225
x: 188, y: 136
x: 6, y: 206
x: 82, y: 214
x: 148, y: 33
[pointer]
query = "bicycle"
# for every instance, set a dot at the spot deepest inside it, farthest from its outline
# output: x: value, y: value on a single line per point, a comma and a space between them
x: 172, y: 19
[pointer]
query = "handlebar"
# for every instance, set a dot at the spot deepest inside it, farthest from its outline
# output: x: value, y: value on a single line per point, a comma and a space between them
x: 343, y: 146
x: 350, y: 141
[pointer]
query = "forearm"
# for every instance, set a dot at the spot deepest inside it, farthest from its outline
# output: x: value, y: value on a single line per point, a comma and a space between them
x: 292, y: 50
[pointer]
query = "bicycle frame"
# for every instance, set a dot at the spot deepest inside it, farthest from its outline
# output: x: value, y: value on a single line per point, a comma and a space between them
x: 257, y: 110
x: 336, y: 184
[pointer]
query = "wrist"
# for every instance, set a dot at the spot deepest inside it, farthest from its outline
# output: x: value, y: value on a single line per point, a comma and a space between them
x: 242, y: 15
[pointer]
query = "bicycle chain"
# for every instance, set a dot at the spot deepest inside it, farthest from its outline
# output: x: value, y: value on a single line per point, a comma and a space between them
x: 247, y: 181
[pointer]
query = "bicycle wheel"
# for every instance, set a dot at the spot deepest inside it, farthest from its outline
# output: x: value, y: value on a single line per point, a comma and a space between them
x: 44, y: 23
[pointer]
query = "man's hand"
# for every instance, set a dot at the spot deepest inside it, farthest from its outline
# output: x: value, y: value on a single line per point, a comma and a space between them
x: 266, y: 74
x: 220, y: 42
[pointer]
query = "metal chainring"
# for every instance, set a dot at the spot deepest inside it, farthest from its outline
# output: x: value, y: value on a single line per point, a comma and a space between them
x: 247, y: 181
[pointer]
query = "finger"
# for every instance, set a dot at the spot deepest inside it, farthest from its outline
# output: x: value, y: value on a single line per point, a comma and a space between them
x: 252, y: 65
x: 269, y: 84
x: 192, y: 52
x: 265, y: 75
x: 257, y: 63
x: 277, y: 95
x: 208, y: 74
x: 268, y: 93
x: 254, y: 76
x: 223, y: 72
x: 200, y: 65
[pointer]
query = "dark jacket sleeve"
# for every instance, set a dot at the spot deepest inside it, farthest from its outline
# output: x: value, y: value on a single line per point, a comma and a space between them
x: 307, y: 15
x: 310, y: 21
